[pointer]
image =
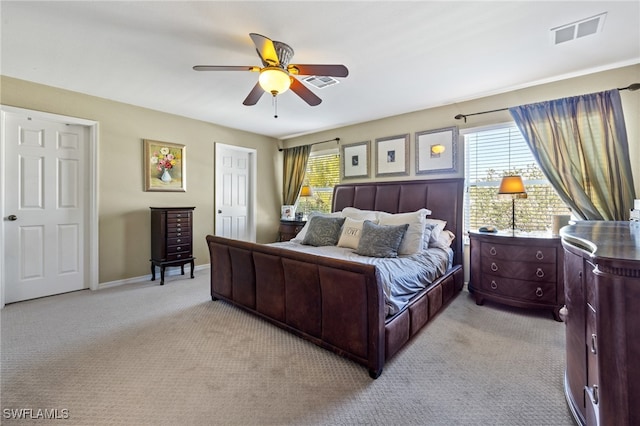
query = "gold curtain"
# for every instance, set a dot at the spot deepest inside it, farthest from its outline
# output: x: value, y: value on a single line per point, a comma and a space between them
x: 581, y: 146
x: 295, y: 167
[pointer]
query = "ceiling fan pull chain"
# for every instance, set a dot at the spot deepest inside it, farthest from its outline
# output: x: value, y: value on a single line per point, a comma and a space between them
x: 274, y: 101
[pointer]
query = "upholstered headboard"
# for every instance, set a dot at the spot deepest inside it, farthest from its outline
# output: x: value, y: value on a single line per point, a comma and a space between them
x: 443, y: 197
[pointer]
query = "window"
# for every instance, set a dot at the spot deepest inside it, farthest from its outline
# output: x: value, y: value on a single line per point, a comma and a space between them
x: 323, y: 173
x: 491, y: 154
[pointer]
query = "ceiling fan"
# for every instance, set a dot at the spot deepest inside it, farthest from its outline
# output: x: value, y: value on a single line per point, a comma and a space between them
x: 277, y: 74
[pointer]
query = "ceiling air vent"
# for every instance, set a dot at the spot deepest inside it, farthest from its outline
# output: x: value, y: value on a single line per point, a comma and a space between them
x: 320, y: 81
x: 578, y: 29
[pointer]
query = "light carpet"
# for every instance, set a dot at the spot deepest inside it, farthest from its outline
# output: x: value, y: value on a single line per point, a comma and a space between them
x: 144, y: 354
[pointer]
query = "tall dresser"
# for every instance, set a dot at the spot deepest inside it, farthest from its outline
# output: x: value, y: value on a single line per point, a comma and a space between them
x: 171, y: 239
x: 602, y: 318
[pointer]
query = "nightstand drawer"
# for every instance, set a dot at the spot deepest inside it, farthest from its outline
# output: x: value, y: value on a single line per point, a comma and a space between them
x: 519, y: 289
x: 289, y: 229
x: 544, y: 272
x: 518, y: 253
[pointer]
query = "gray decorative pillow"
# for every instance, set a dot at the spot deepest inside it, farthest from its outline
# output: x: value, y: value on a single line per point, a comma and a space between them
x: 380, y: 240
x: 323, y: 231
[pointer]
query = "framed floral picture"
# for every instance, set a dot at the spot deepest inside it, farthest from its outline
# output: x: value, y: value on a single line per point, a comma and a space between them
x: 164, y: 166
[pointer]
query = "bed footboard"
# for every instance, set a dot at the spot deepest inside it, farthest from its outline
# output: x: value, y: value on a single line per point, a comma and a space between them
x: 333, y: 303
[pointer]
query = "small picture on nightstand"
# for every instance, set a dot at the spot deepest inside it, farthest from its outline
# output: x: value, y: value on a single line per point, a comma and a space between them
x: 288, y: 212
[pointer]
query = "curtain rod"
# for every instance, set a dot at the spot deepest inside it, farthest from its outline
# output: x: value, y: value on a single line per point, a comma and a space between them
x: 315, y: 143
x: 631, y: 88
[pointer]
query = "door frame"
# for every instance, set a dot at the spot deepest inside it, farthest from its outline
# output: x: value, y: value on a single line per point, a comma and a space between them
x: 251, y: 190
x: 91, y: 204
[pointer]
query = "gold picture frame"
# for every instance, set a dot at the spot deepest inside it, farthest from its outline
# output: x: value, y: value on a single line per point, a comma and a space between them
x: 164, y: 166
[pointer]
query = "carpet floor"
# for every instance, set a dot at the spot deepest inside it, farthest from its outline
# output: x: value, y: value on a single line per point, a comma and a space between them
x: 144, y: 354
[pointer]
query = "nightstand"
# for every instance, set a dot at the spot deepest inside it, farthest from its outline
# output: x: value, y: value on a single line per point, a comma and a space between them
x: 525, y: 271
x: 289, y: 229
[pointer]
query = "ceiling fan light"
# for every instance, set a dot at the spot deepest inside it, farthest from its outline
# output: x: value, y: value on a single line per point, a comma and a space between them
x: 274, y: 80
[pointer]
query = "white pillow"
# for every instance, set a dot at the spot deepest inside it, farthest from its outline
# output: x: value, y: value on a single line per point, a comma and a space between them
x: 412, y: 242
x: 300, y: 237
x: 444, y: 240
x: 351, y: 233
x: 437, y: 230
x: 355, y: 213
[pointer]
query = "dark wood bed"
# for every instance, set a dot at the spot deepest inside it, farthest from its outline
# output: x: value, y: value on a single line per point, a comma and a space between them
x: 338, y: 304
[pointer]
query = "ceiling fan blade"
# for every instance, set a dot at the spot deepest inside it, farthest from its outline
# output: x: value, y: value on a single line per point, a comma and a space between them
x: 254, y: 96
x: 307, y: 95
x: 321, y: 70
x: 266, y: 49
x: 224, y: 68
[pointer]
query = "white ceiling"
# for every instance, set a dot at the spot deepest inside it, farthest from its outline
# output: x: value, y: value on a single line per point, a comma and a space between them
x: 402, y: 56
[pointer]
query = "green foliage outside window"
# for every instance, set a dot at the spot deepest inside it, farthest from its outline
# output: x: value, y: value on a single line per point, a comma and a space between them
x: 323, y: 173
x: 534, y: 213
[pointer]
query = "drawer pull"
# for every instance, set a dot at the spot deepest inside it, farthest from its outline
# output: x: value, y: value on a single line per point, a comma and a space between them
x: 564, y: 313
x: 539, y: 255
x: 594, y: 344
x: 494, y: 267
x: 592, y: 391
x: 179, y: 215
x: 178, y: 240
x: 493, y: 251
x: 494, y: 285
x: 178, y: 229
x: 539, y: 273
x: 179, y: 256
x: 539, y: 292
x: 178, y: 248
x: 178, y: 220
x: 179, y: 234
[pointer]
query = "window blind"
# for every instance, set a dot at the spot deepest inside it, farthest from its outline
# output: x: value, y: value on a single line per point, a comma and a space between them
x: 492, y: 154
x: 322, y: 174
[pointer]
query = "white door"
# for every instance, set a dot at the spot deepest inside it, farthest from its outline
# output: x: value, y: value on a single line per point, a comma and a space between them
x: 235, y: 183
x: 44, y: 213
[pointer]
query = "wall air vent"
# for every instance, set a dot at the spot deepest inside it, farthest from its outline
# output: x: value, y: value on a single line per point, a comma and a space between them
x: 320, y: 81
x: 574, y: 30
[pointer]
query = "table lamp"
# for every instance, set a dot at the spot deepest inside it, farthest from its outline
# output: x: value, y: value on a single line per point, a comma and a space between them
x: 512, y: 186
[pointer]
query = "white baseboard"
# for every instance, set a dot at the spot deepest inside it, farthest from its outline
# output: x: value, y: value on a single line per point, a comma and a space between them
x: 168, y: 273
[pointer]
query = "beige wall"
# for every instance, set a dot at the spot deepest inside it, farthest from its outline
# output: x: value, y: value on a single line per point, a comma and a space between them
x: 124, y: 205
x: 124, y: 242
x: 435, y: 118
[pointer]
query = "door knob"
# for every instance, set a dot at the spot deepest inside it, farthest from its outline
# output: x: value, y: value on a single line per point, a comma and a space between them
x: 12, y: 217
x: 219, y: 211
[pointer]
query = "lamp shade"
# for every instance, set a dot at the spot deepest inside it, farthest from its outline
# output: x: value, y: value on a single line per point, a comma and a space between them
x: 306, y: 191
x: 513, y: 186
x: 274, y: 80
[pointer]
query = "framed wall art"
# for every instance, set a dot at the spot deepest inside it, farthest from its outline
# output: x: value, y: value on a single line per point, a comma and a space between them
x: 436, y: 150
x: 355, y: 160
x: 164, y: 166
x: 392, y: 156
